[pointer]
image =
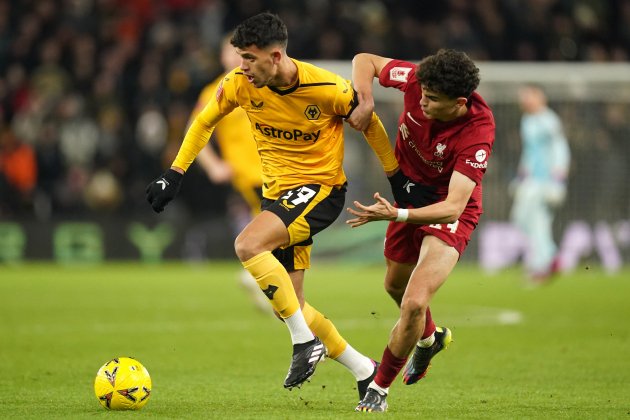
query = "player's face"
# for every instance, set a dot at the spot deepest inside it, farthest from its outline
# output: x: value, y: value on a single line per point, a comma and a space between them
x: 531, y: 99
x: 259, y: 65
x: 437, y: 106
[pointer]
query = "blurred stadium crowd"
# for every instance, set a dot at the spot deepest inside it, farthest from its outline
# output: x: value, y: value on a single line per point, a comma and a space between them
x: 95, y: 94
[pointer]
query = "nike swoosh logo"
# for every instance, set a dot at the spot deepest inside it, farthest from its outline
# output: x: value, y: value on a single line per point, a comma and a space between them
x: 163, y: 182
x: 411, y: 118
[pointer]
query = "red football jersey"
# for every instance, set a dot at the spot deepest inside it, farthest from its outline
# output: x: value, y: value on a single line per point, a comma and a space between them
x: 429, y: 150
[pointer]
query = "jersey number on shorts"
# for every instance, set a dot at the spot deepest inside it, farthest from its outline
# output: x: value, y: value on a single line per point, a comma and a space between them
x: 301, y: 195
x: 450, y: 226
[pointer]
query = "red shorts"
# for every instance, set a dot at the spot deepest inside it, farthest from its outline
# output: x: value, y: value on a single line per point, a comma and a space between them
x: 403, y: 240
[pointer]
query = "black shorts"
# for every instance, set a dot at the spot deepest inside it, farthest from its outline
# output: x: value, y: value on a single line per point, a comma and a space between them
x: 305, y: 211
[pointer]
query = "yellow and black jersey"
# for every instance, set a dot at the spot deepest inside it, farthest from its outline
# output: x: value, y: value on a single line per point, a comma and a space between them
x: 298, y: 130
x: 234, y: 138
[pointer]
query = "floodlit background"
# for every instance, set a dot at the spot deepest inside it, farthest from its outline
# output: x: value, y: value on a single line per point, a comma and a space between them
x: 95, y: 96
x: 94, y: 100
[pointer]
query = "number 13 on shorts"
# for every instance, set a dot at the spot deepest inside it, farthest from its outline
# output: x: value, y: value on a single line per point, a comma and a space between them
x: 300, y: 195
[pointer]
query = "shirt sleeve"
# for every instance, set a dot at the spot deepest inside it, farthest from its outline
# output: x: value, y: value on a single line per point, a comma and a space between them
x: 377, y: 138
x: 203, y: 98
x: 397, y: 74
x: 345, y: 98
x: 472, y: 160
x: 199, y: 132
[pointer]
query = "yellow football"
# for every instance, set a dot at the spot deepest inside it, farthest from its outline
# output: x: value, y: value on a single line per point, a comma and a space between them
x: 122, y: 383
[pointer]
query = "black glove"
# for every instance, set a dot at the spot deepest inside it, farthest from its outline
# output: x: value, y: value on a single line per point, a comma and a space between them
x: 410, y: 193
x: 162, y: 190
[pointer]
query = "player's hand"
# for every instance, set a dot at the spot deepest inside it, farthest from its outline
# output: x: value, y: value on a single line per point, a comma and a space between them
x: 555, y: 193
x: 410, y: 193
x: 220, y: 172
x: 381, y: 210
x: 361, y: 116
x: 163, y: 189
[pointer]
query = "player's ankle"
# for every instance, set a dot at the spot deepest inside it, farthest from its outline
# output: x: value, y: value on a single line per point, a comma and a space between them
x: 427, y: 342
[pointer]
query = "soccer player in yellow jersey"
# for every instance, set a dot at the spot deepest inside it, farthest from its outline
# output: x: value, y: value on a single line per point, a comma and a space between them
x: 240, y: 163
x: 296, y: 111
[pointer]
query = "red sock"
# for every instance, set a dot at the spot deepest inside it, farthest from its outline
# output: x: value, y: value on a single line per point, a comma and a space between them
x: 389, y: 368
x: 429, y: 326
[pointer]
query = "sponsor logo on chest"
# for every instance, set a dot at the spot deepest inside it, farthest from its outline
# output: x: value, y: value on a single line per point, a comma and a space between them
x: 439, y: 149
x: 291, y: 134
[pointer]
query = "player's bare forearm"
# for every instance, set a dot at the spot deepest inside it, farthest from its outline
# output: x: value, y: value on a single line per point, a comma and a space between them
x: 361, y: 115
x: 451, y: 208
x: 447, y: 211
x: 381, y: 210
x: 363, y: 73
x: 442, y: 212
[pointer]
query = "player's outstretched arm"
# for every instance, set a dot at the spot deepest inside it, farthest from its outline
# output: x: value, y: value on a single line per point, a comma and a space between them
x: 164, y: 189
x: 446, y: 211
x: 365, y: 67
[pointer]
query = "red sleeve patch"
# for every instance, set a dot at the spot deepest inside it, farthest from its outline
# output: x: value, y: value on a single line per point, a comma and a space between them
x: 219, y: 91
x: 399, y: 74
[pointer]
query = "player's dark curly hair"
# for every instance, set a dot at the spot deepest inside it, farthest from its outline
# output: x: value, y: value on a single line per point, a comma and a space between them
x: 261, y: 30
x: 449, y: 72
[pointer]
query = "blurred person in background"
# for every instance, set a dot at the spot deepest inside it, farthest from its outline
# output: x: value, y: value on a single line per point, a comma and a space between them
x: 541, y: 184
x: 239, y: 162
x: 445, y: 136
x: 18, y: 174
x: 127, y: 50
x: 78, y: 145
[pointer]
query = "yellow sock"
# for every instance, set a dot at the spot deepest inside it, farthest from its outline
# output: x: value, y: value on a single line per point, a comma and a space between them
x: 323, y: 328
x: 275, y: 283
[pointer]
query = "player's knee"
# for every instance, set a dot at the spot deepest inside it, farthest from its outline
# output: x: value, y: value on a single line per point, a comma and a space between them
x: 395, y: 291
x: 245, y: 247
x: 414, y: 307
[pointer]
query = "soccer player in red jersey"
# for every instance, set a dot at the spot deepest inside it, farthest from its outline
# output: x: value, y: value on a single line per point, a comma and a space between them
x: 445, y: 136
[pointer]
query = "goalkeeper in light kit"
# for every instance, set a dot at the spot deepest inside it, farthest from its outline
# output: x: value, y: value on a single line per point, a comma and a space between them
x: 296, y: 112
x: 541, y: 185
x: 445, y: 136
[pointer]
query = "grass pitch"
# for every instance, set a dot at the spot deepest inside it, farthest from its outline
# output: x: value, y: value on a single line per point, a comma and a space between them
x: 559, y: 351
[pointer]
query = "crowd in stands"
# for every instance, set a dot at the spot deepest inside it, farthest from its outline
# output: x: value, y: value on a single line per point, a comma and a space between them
x: 95, y: 94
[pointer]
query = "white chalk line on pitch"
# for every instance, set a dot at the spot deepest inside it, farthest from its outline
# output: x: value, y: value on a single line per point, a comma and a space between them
x: 475, y: 316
